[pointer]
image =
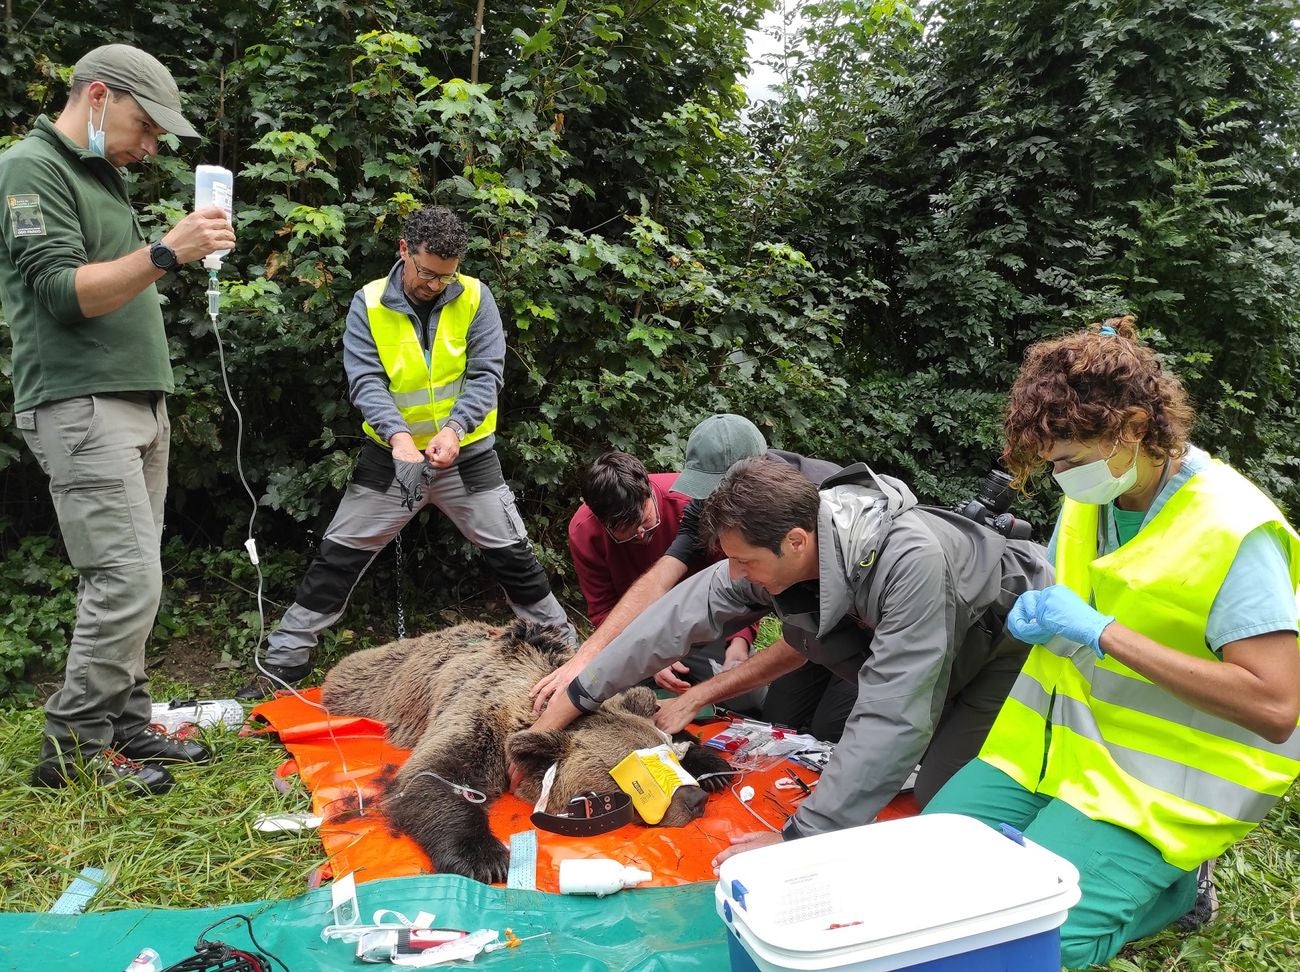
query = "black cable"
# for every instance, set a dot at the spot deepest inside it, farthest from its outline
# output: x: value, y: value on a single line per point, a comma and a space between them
x: 206, y: 952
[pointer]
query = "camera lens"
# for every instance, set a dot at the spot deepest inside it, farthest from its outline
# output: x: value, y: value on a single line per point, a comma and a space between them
x: 996, y: 493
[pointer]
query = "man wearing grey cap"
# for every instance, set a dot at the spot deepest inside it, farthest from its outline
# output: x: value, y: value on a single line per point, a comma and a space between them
x: 810, y: 698
x: 90, y: 376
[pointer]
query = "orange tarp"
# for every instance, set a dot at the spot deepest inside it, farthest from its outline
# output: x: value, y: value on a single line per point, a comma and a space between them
x: 338, y: 757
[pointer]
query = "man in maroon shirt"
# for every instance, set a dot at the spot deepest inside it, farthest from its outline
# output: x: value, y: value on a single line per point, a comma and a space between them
x: 629, y: 520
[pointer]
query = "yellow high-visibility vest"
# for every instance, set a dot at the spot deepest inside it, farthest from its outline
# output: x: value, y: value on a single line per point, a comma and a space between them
x: 1122, y: 749
x: 425, y: 389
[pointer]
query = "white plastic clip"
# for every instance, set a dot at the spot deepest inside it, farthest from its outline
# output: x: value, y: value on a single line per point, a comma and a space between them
x: 251, y: 546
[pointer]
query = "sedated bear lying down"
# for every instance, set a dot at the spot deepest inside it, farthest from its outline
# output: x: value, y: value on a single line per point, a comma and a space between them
x: 458, y: 699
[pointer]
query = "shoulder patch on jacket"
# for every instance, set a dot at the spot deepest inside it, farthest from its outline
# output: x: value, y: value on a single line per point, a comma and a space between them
x: 25, y: 214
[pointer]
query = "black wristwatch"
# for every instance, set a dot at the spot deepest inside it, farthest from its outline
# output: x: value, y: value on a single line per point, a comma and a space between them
x: 163, y: 257
x: 455, y: 427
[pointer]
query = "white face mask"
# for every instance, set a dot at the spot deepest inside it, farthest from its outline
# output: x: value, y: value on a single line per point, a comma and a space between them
x: 1093, y: 483
x: 95, y: 139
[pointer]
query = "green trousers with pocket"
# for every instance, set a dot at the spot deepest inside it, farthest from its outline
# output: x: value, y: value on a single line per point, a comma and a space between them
x: 1128, y: 890
x: 106, y: 459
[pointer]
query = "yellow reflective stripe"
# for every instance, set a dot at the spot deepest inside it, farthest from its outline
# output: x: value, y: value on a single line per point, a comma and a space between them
x: 449, y: 392
x: 412, y: 399
x: 1030, y: 694
x: 1163, y: 818
x: 1139, y: 695
x: 1193, y: 784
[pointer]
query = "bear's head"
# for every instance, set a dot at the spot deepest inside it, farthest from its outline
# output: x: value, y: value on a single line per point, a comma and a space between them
x: 586, y: 751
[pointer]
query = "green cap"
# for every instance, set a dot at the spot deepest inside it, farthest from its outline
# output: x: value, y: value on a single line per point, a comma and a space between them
x: 715, y: 445
x: 126, y: 68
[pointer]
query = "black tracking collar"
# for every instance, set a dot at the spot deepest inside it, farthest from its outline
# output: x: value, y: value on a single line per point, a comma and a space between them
x: 588, y: 814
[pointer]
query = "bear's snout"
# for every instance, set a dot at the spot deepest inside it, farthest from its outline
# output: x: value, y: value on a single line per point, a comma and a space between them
x: 687, y: 804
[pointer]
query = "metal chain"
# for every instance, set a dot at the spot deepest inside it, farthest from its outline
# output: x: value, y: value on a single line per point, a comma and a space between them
x: 401, y: 583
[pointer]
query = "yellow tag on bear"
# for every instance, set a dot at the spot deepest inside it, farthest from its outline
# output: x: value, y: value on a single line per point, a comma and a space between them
x: 651, y: 777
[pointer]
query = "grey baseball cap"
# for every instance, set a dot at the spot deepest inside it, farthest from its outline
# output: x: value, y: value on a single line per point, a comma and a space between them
x: 715, y: 445
x: 126, y: 68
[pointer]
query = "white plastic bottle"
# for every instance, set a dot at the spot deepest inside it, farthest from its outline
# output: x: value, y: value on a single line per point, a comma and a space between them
x: 198, y: 712
x: 598, y: 876
x: 146, y: 961
x: 214, y: 185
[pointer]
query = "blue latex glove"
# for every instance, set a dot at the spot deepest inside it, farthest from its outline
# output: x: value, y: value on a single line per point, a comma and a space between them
x: 1038, y: 616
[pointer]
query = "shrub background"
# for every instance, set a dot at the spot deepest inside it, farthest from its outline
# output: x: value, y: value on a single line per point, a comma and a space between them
x: 858, y: 264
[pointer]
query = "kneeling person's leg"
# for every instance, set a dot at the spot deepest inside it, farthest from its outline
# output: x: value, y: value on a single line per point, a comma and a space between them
x: 1128, y: 890
x: 475, y: 497
x: 705, y: 660
x: 812, y: 699
x: 369, y: 515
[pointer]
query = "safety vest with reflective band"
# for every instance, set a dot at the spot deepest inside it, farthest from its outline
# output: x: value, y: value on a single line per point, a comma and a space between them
x: 1121, y: 749
x: 425, y: 388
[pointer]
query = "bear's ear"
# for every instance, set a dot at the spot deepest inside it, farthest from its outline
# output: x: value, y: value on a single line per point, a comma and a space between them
x: 638, y: 700
x: 535, y: 751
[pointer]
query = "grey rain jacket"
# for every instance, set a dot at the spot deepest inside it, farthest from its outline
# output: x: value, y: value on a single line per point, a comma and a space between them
x: 910, y: 605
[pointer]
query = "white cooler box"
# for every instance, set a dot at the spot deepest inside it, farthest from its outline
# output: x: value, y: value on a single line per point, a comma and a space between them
x: 939, y: 893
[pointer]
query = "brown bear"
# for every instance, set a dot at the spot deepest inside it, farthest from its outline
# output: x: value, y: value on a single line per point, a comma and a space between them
x: 458, y: 699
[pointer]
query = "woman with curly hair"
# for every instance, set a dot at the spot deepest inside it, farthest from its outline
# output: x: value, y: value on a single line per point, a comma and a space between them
x: 1153, y: 724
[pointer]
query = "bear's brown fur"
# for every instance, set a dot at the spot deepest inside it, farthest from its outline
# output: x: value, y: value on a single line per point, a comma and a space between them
x: 458, y: 699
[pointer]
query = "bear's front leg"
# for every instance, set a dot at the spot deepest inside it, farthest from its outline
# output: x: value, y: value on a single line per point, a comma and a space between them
x: 452, y: 830
x: 703, y: 761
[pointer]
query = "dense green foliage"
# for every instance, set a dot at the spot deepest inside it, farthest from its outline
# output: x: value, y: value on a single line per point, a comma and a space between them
x: 858, y: 264
x: 1005, y: 171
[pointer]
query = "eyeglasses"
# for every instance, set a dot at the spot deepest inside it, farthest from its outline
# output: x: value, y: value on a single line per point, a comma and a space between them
x: 423, y: 274
x: 643, y: 532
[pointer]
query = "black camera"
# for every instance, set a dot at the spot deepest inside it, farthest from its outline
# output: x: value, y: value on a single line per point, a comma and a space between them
x: 990, y: 507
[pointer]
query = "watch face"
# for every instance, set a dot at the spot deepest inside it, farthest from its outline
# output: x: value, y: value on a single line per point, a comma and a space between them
x: 162, y: 256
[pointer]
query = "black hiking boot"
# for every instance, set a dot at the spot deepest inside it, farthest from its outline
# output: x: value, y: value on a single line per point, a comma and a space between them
x: 261, y: 687
x: 154, y: 744
x: 108, y: 767
x: 1206, y: 906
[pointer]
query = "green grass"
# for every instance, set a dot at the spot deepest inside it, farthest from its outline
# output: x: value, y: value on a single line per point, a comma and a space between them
x: 196, y: 847
x: 192, y: 847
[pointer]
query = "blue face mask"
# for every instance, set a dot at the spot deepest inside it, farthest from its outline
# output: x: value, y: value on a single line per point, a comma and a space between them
x: 95, y: 139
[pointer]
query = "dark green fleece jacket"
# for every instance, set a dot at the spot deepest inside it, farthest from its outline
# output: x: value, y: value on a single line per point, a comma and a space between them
x: 62, y: 209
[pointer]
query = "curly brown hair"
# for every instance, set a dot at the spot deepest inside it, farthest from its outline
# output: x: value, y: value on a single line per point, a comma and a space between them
x: 1091, y: 385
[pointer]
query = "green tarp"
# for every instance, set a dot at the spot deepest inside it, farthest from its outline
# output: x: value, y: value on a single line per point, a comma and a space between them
x: 648, y: 930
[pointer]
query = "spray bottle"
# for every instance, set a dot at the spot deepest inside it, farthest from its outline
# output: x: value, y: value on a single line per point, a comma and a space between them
x: 598, y: 876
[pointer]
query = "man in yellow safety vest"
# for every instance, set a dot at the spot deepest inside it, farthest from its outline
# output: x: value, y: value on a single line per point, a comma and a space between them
x: 424, y: 352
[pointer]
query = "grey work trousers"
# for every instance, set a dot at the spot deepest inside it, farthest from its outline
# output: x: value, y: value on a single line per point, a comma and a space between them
x: 106, y: 459
x: 369, y: 517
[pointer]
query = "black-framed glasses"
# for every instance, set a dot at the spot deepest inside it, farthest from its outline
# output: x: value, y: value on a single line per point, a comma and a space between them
x: 423, y: 274
x: 642, y: 533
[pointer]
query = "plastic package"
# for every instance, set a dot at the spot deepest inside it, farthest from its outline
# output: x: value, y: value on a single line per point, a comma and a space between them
x: 197, y: 712
x: 599, y: 876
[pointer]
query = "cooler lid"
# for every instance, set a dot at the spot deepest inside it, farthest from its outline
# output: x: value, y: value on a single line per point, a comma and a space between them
x: 891, y: 881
